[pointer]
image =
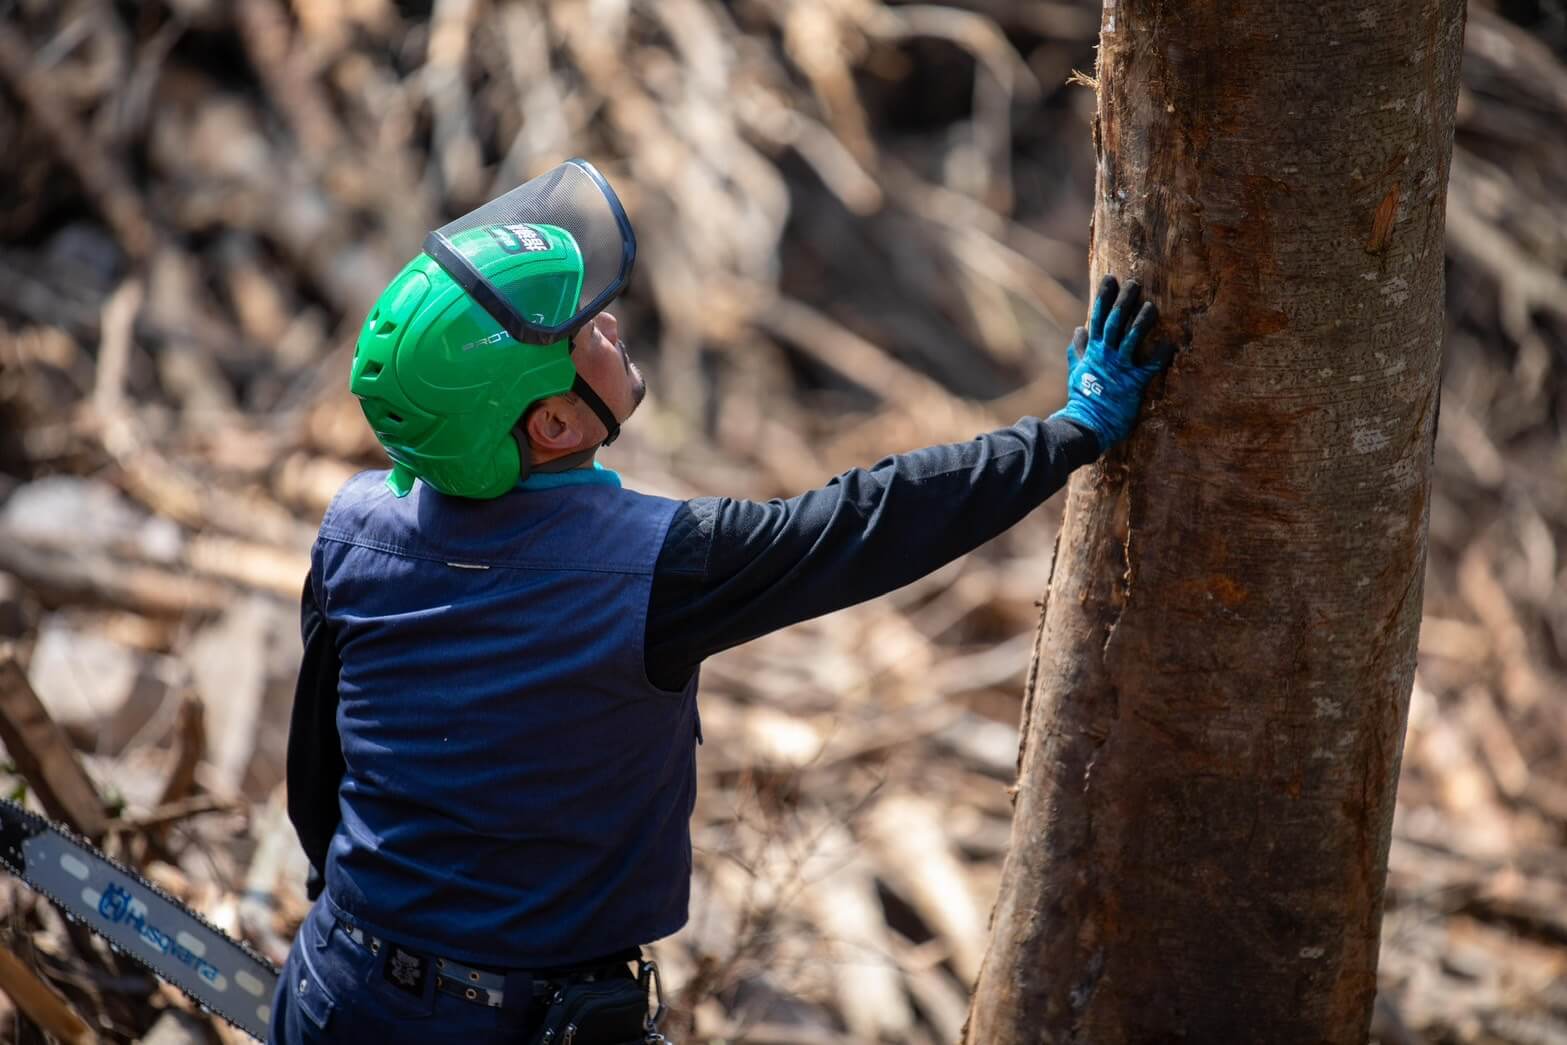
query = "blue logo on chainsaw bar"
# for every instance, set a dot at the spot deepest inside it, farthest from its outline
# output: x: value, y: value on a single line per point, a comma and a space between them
x: 119, y: 906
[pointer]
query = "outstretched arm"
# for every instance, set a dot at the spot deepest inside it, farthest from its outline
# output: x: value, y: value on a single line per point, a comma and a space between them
x: 732, y: 570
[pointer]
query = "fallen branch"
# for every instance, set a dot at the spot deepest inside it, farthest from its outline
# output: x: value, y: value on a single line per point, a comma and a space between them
x: 43, y: 754
x: 41, y: 1004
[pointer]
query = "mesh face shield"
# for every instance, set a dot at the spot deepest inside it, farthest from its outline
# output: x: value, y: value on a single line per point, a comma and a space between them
x: 574, y: 198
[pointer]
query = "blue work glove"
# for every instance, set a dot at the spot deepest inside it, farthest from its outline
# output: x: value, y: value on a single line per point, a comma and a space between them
x: 1104, y: 381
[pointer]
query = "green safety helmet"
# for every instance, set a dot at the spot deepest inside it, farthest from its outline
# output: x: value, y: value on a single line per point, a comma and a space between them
x: 479, y: 327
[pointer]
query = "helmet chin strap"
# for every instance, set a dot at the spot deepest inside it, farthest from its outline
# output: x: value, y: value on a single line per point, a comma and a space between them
x: 587, y: 395
x: 576, y: 458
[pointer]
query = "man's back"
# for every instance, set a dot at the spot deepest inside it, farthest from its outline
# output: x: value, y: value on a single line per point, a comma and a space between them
x: 516, y: 793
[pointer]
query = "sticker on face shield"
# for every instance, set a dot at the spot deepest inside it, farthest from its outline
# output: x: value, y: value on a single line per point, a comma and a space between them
x: 519, y: 239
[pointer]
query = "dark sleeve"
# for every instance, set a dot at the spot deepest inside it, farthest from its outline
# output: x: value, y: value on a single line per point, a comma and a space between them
x: 731, y: 570
x: 315, y: 756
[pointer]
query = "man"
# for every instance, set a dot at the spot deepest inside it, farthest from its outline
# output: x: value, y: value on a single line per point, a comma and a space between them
x: 492, y: 754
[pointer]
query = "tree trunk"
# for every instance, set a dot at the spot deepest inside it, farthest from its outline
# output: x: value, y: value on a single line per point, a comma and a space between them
x: 1215, y: 719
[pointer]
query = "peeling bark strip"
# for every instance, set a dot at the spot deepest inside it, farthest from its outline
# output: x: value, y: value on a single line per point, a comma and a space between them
x: 1205, y: 801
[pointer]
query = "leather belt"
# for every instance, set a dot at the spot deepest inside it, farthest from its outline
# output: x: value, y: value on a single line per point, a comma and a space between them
x: 451, y: 977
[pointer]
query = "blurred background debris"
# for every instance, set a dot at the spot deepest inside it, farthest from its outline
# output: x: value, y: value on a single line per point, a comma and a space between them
x: 864, y: 228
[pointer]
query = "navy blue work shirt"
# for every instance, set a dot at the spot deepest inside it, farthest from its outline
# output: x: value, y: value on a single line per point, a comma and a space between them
x: 730, y: 570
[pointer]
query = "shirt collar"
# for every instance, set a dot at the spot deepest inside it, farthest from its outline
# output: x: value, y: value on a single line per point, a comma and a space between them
x: 593, y: 476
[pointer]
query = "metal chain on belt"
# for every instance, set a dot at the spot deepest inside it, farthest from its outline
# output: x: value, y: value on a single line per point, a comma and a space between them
x: 647, y: 975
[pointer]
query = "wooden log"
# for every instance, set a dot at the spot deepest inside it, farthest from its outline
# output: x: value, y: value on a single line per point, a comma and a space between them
x: 841, y: 895
x: 43, y: 754
x: 41, y: 1004
x: 105, y: 180
x: 61, y: 577
x: 277, y: 570
x: 918, y: 857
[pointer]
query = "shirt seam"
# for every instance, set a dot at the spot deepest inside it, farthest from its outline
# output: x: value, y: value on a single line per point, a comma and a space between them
x: 507, y: 564
x: 646, y: 610
x: 712, y: 539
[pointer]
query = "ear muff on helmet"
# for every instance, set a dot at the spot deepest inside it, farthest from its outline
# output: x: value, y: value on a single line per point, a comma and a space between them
x: 478, y: 328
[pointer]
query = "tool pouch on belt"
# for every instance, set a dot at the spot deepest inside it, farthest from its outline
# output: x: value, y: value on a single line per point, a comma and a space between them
x: 600, y: 1012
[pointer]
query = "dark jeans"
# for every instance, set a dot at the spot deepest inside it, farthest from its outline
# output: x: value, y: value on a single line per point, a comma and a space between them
x: 335, y: 990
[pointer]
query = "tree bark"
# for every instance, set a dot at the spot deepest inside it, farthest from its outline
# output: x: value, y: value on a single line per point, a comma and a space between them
x: 1216, y: 715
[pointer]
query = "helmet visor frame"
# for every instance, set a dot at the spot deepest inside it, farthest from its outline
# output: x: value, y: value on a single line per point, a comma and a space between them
x: 573, y: 196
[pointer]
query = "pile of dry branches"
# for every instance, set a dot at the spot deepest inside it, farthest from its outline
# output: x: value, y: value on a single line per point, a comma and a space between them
x: 863, y: 228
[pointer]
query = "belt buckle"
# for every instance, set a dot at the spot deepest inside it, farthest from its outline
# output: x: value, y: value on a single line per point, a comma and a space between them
x: 406, y: 973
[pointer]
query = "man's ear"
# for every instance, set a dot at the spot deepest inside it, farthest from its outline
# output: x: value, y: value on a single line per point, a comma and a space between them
x: 550, y: 426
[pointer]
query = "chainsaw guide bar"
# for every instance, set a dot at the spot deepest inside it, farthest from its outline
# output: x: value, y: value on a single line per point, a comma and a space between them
x: 222, y: 975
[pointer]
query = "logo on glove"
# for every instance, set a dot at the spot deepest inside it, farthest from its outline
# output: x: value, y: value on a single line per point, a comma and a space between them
x: 1091, y: 385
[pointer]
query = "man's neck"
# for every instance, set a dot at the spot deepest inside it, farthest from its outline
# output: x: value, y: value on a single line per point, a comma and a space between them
x: 562, y: 462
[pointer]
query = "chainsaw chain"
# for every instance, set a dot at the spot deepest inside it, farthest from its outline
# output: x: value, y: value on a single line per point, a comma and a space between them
x: 81, y: 843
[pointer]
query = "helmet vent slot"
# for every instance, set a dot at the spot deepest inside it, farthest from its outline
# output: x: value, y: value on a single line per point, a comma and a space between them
x: 372, y: 369
x: 386, y: 327
x: 396, y: 419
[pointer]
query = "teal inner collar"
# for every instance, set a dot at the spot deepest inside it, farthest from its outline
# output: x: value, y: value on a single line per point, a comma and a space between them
x: 575, y: 477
